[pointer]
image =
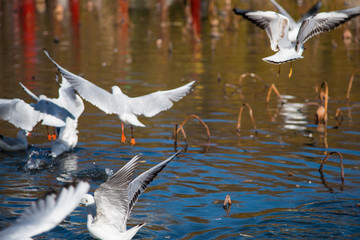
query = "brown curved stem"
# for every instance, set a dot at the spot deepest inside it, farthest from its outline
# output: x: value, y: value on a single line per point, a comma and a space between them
x: 350, y: 84
x: 250, y: 114
x: 341, y: 166
x: 180, y: 128
x: 273, y: 87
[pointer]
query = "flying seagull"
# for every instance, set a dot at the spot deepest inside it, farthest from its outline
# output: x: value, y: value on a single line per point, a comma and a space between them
x: 19, y: 143
x: 127, y: 108
x: 67, y: 135
x: 114, y: 199
x: 277, y: 27
x: 47, y: 213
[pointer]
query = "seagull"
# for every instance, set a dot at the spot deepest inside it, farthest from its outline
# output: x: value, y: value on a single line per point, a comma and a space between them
x: 19, y: 143
x: 277, y: 27
x: 127, y: 108
x: 47, y: 213
x: 114, y: 199
x: 67, y: 135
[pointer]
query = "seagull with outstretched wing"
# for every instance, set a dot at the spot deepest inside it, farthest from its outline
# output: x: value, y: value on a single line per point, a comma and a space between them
x: 110, y: 207
x: 277, y: 27
x: 116, y: 102
x: 66, y: 138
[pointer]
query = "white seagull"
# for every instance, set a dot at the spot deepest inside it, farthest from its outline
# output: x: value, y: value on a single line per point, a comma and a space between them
x: 67, y: 135
x: 47, y: 213
x: 114, y: 199
x: 19, y: 143
x: 277, y: 27
x: 127, y: 108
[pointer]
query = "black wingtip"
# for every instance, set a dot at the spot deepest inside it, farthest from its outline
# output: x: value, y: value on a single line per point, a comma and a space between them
x: 241, y: 12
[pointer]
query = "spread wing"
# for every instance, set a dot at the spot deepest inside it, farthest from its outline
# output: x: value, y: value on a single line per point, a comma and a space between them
x: 111, y: 197
x: 282, y: 11
x: 312, y: 11
x: 323, y: 22
x: 30, y: 93
x: 19, y: 113
x: 47, y: 213
x: 52, y: 110
x: 87, y: 90
x: 153, y: 103
x: 276, y: 25
x: 69, y: 99
x: 139, y: 184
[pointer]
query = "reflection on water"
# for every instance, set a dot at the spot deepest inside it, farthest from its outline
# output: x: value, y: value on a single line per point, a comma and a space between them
x: 272, y: 177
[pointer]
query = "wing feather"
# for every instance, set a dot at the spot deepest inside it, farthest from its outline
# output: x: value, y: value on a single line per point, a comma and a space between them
x: 276, y: 25
x: 139, y: 184
x: 282, y: 11
x: 111, y: 197
x: 30, y: 93
x: 151, y: 104
x: 323, y: 22
x: 19, y: 113
x: 47, y: 213
x: 90, y: 92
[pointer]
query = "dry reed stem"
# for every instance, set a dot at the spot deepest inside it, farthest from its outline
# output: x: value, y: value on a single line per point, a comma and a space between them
x: 341, y: 165
x: 180, y: 128
x: 250, y: 114
x: 350, y: 84
x: 273, y: 87
x: 326, y: 99
x: 227, y: 204
x: 227, y: 201
x: 321, y: 115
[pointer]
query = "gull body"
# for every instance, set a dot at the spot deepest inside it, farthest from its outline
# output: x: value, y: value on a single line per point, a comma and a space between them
x: 116, y: 102
x: 114, y: 199
x: 46, y: 213
x: 19, y: 143
x: 277, y: 27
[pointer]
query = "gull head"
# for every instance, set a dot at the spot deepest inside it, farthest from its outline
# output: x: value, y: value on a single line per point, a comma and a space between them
x: 23, y: 133
x: 115, y: 90
x: 87, y: 200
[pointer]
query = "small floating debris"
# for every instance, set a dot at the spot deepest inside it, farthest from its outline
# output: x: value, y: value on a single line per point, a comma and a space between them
x: 227, y: 204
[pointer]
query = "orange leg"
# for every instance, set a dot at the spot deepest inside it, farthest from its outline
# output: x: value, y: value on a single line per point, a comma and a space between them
x: 54, y: 134
x: 132, y: 136
x: 123, y: 138
x: 48, y: 134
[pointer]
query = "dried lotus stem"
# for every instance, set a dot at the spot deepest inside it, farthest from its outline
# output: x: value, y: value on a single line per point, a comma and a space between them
x: 250, y: 114
x: 273, y: 87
